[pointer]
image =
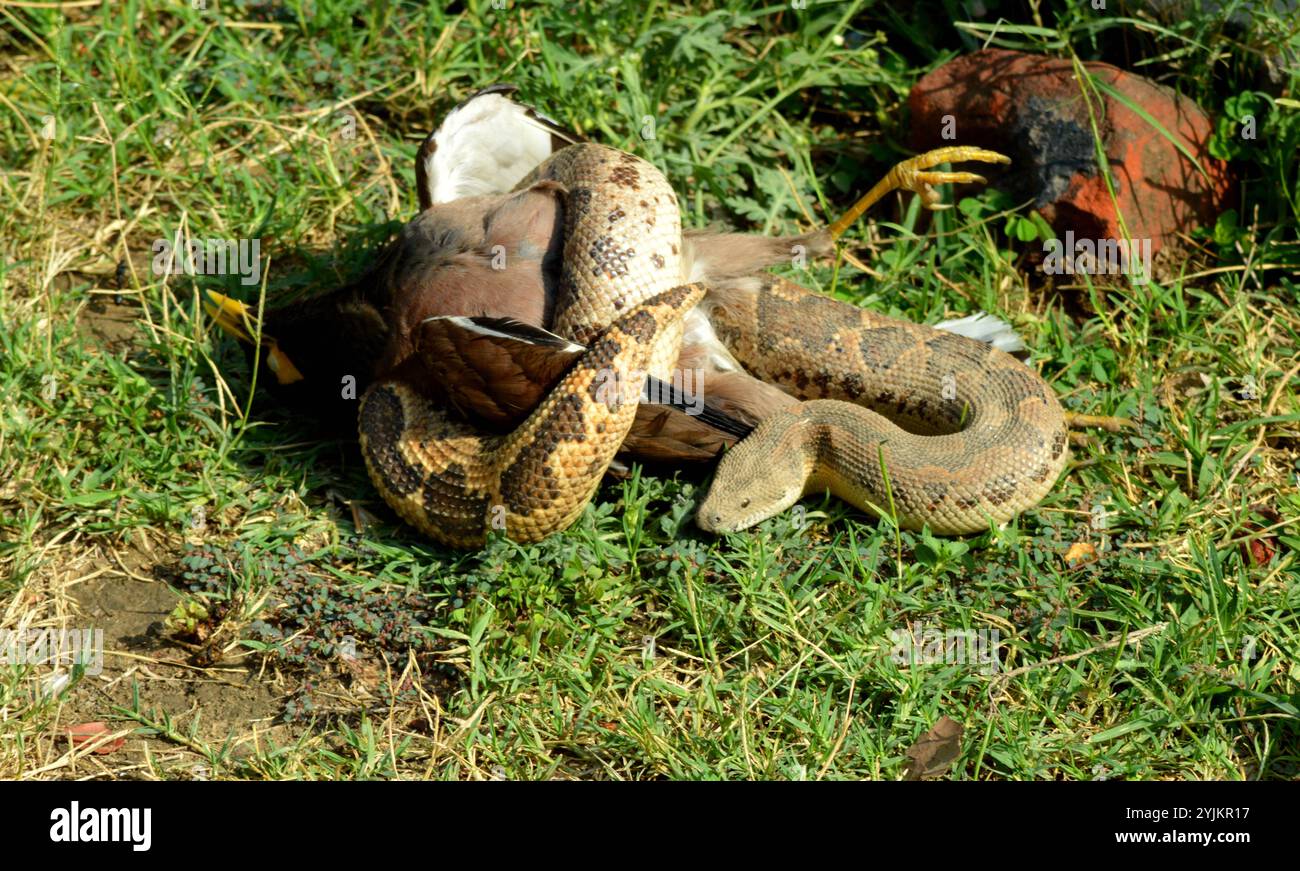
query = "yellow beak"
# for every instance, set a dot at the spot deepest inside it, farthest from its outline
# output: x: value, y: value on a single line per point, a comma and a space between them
x: 237, y: 320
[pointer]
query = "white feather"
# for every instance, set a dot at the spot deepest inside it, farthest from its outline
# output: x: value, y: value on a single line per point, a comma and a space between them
x: 469, y: 325
x: 484, y: 147
x: 985, y: 328
x: 699, y: 331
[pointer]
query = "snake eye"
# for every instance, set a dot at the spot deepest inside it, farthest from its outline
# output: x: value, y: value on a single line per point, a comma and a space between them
x: 744, y: 504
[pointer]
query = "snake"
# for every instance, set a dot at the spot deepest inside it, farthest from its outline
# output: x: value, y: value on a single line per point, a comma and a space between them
x: 621, y: 294
x: 959, y: 435
x: 896, y: 418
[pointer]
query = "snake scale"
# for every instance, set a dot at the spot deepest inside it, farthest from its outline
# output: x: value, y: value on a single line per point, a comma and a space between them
x: 961, y: 436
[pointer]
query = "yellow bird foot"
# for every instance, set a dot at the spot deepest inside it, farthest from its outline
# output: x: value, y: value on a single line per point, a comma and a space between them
x: 921, y: 183
x: 913, y: 175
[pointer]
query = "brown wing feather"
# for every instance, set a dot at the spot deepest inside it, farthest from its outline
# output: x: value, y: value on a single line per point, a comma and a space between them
x: 492, y: 369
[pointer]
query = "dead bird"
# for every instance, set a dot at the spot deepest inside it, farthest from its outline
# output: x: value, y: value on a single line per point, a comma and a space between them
x: 459, y: 304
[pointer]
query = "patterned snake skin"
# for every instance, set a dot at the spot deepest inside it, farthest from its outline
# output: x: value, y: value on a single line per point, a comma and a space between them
x: 622, y: 295
x: 982, y: 437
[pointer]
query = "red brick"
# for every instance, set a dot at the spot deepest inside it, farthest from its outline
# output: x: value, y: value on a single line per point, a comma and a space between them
x: 1032, y: 108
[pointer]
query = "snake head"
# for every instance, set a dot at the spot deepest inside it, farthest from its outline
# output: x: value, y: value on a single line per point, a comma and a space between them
x: 763, y: 475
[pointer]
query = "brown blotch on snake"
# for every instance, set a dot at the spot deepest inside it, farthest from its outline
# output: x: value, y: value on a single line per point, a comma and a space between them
x: 626, y: 176
x: 383, y: 416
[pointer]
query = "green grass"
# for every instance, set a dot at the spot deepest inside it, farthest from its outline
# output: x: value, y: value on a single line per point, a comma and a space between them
x: 633, y: 645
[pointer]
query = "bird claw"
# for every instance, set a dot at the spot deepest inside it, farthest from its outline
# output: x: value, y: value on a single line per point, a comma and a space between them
x: 950, y: 154
x: 912, y: 175
x: 922, y: 183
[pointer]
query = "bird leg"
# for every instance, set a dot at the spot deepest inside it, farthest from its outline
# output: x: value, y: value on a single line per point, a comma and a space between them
x: 713, y: 258
x: 912, y: 175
